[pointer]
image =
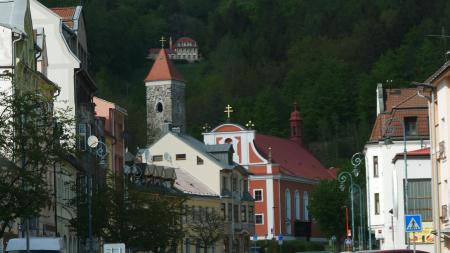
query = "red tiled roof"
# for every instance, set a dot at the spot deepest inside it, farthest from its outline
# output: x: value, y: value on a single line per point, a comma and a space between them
x: 66, y: 13
x: 400, y: 103
x: 294, y: 159
x: 163, y: 69
x: 185, y: 39
x: 424, y: 152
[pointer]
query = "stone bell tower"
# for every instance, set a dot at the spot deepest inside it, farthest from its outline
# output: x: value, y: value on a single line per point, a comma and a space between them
x: 165, y: 98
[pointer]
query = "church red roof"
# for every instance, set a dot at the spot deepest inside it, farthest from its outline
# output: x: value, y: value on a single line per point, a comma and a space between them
x: 163, y: 69
x: 294, y: 159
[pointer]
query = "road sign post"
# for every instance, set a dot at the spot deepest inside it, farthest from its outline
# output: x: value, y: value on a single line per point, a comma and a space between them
x: 280, y: 241
x: 413, y: 224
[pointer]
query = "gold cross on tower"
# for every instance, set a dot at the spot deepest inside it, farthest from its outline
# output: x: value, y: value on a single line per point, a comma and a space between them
x: 228, y: 110
x: 162, y: 41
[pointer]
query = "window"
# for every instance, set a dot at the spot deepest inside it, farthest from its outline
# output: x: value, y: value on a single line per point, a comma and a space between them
x: 259, y: 219
x: 224, y: 183
x: 197, y: 246
x: 199, y: 161
x: 375, y: 166
x: 236, y: 213
x: 188, y: 246
x: 234, y: 184
x: 159, y: 107
x: 377, y: 203
x: 258, y: 195
x: 287, y: 195
x: 223, y: 211
x: 82, y: 136
x: 305, y: 206
x: 244, y: 213
x: 250, y: 213
x: 157, y: 158
x: 419, y: 198
x: 410, y: 126
x: 230, y: 210
x: 297, y: 205
x: 180, y: 157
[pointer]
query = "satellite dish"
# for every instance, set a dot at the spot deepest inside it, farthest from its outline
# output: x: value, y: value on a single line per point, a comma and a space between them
x: 92, y: 141
x: 167, y: 157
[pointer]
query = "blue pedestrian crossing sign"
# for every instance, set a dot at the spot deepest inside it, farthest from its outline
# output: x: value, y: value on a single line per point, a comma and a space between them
x: 413, y: 223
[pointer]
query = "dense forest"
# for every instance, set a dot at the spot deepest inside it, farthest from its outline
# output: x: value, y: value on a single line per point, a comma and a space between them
x: 260, y: 56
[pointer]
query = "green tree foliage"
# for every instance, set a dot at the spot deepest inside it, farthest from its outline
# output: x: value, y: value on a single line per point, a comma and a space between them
x: 32, y: 138
x: 327, y: 208
x: 260, y: 56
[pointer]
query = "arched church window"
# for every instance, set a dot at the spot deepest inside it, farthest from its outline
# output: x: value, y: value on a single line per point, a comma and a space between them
x: 228, y: 141
x: 305, y: 206
x: 159, y: 107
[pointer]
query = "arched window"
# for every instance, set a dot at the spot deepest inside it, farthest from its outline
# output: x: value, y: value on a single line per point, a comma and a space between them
x: 228, y: 141
x: 305, y: 206
x: 159, y: 107
x: 297, y: 205
x: 288, y: 211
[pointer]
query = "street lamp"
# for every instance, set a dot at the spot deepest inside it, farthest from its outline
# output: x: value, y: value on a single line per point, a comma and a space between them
x: 101, y: 153
x: 387, y: 141
x: 342, y: 178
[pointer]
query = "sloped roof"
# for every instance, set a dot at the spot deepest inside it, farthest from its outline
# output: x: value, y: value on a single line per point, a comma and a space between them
x: 163, y: 69
x: 186, y: 183
x: 419, y: 153
x: 400, y: 103
x: 294, y: 159
x: 12, y: 14
x: 438, y: 72
x: 66, y: 13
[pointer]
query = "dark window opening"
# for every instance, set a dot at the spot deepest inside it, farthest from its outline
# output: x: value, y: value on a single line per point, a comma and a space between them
x: 159, y: 107
x: 411, y: 126
x: 180, y: 156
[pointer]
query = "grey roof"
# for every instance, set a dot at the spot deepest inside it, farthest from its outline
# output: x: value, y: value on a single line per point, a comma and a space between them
x: 12, y: 14
x: 438, y: 72
x: 218, y: 148
x: 201, y: 148
x: 186, y: 183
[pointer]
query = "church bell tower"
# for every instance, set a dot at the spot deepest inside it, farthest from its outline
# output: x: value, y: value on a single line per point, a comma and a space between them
x: 165, y: 98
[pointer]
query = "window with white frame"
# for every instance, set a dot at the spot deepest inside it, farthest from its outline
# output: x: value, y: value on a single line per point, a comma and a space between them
x: 305, y: 206
x: 297, y: 205
x: 287, y: 195
x: 258, y: 194
x: 259, y: 218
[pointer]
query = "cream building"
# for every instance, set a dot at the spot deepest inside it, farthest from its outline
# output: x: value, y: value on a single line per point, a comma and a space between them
x: 213, y: 166
x: 439, y: 113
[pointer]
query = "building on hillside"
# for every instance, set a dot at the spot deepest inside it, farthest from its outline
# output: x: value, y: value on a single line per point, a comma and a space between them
x: 283, y: 174
x: 401, y: 113
x: 439, y: 112
x: 165, y: 90
x: 114, y: 129
x: 213, y: 166
x: 185, y: 48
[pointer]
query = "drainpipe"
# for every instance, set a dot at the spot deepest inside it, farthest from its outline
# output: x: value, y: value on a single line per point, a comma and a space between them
x: 14, y: 53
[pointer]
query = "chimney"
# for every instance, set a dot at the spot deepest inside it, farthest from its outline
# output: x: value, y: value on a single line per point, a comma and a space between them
x: 380, y: 99
x: 296, y: 126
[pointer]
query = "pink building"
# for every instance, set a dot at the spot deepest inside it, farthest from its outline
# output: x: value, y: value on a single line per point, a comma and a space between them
x: 114, y: 126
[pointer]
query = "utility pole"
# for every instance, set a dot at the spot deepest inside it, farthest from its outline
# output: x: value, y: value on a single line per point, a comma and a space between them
x: 443, y: 38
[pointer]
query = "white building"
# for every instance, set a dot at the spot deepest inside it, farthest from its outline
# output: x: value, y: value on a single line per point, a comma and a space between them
x: 398, y: 111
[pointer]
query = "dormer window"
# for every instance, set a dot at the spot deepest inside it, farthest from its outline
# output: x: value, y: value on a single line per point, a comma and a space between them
x: 410, y: 126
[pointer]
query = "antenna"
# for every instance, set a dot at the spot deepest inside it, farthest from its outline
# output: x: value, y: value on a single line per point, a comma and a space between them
x: 443, y: 38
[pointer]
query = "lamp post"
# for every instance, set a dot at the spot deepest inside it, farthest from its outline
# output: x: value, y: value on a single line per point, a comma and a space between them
x: 388, y: 141
x: 342, y: 178
x: 101, y: 153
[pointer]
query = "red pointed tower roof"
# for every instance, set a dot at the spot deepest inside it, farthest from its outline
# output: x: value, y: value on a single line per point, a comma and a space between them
x: 163, y: 69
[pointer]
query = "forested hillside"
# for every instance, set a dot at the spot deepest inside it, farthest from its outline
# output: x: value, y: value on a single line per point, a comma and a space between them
x: 262, y: 55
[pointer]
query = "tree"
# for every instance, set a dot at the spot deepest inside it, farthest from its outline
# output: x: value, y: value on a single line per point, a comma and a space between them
x: 327, y: 208
x: 207, y: 229
x: 33, y: 136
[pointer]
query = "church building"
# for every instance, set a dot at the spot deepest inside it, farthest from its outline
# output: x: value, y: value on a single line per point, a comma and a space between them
x: 283, y: 174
